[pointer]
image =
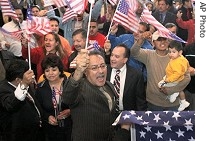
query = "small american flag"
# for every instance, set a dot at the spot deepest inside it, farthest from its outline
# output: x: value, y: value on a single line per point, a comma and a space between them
x: 160, y: 125
x: 93, y: 46
x: 74, y: 7
x: 73, y: 64
x: 77, y: 5
x: 38, y: 25
x: 54, y: 101
x: 7, y: 9
x: 16, y: 35
x: 126, y: 17
x: 70, y: 13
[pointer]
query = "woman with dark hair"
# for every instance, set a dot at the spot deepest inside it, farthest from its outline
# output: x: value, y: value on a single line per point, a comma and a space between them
x: 56, y: 115
x: 52, y: 45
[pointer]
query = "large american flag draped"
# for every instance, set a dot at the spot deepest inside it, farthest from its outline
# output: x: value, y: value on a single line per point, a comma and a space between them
x: 126, y: 17
x: 7, y: 9
x: 160, y: 125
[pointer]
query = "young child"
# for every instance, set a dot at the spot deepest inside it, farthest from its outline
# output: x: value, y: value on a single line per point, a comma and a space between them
x: 175, y: 71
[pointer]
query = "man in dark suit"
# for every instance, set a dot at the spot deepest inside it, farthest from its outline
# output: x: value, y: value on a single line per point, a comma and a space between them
x: 132, y: 88
x: 20, y: 112
x: 91, y: 100
x: 162, y: 15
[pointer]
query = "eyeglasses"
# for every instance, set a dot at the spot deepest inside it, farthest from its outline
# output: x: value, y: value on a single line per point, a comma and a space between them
x: 96, y: 67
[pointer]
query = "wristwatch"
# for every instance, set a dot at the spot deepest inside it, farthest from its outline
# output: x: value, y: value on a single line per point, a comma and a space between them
x: 23, y: 87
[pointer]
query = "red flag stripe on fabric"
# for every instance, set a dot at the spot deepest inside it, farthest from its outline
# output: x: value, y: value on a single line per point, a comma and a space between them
x: 126, y: 17
x: 17, y: 35
x: 77, y: 5
x: 163, y: 31
x: 113, y: 2
x: 39, y: 25
x: 133, y: 4
x: 68, y: 15
x: 7, y: 9
x: 60, y: 3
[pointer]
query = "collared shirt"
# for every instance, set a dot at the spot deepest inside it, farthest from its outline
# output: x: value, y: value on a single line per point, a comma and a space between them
x: 122, y: 74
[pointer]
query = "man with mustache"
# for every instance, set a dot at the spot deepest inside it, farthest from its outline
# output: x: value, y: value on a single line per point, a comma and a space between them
x: 91, y: 99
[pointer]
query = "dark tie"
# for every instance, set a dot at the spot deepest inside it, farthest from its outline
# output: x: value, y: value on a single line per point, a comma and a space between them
x: 117, y: 88
x: 161, y: 18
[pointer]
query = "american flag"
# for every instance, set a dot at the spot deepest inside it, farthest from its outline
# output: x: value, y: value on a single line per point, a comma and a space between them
x: 160, y: 125
x: 54, y: 101
x: 70, y: 13
x: 60, y: 3
x: 133, y: 4
x: 163, y: 31
x: 93, y: 46
x: 7, y: 9
x: 16, y: 35
x: 40, y: 25
x: 126, y: 17
x: 74, y: 7
x: 73, y: 63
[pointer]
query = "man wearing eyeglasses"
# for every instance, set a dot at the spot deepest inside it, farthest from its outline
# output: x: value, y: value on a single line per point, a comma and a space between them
x: 91, y: 99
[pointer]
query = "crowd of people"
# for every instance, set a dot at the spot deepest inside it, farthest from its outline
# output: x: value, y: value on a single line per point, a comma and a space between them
x: 72, y: 83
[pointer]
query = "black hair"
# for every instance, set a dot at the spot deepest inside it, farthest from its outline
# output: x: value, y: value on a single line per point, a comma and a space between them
x: 80, y: 31
x: 96, y: 52
x: 16, y: 69
x: 54, y: 19
x: 176, y: 44
x: 183, y: 1
x: 36, y: 6
x: 170, y: 25
x: 52, y: 60
x: 127, y: 50
x: 166, y: 2
x: 146, y: 25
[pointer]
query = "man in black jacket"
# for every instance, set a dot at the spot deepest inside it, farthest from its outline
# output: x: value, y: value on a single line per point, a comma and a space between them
x: 20, y: 113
